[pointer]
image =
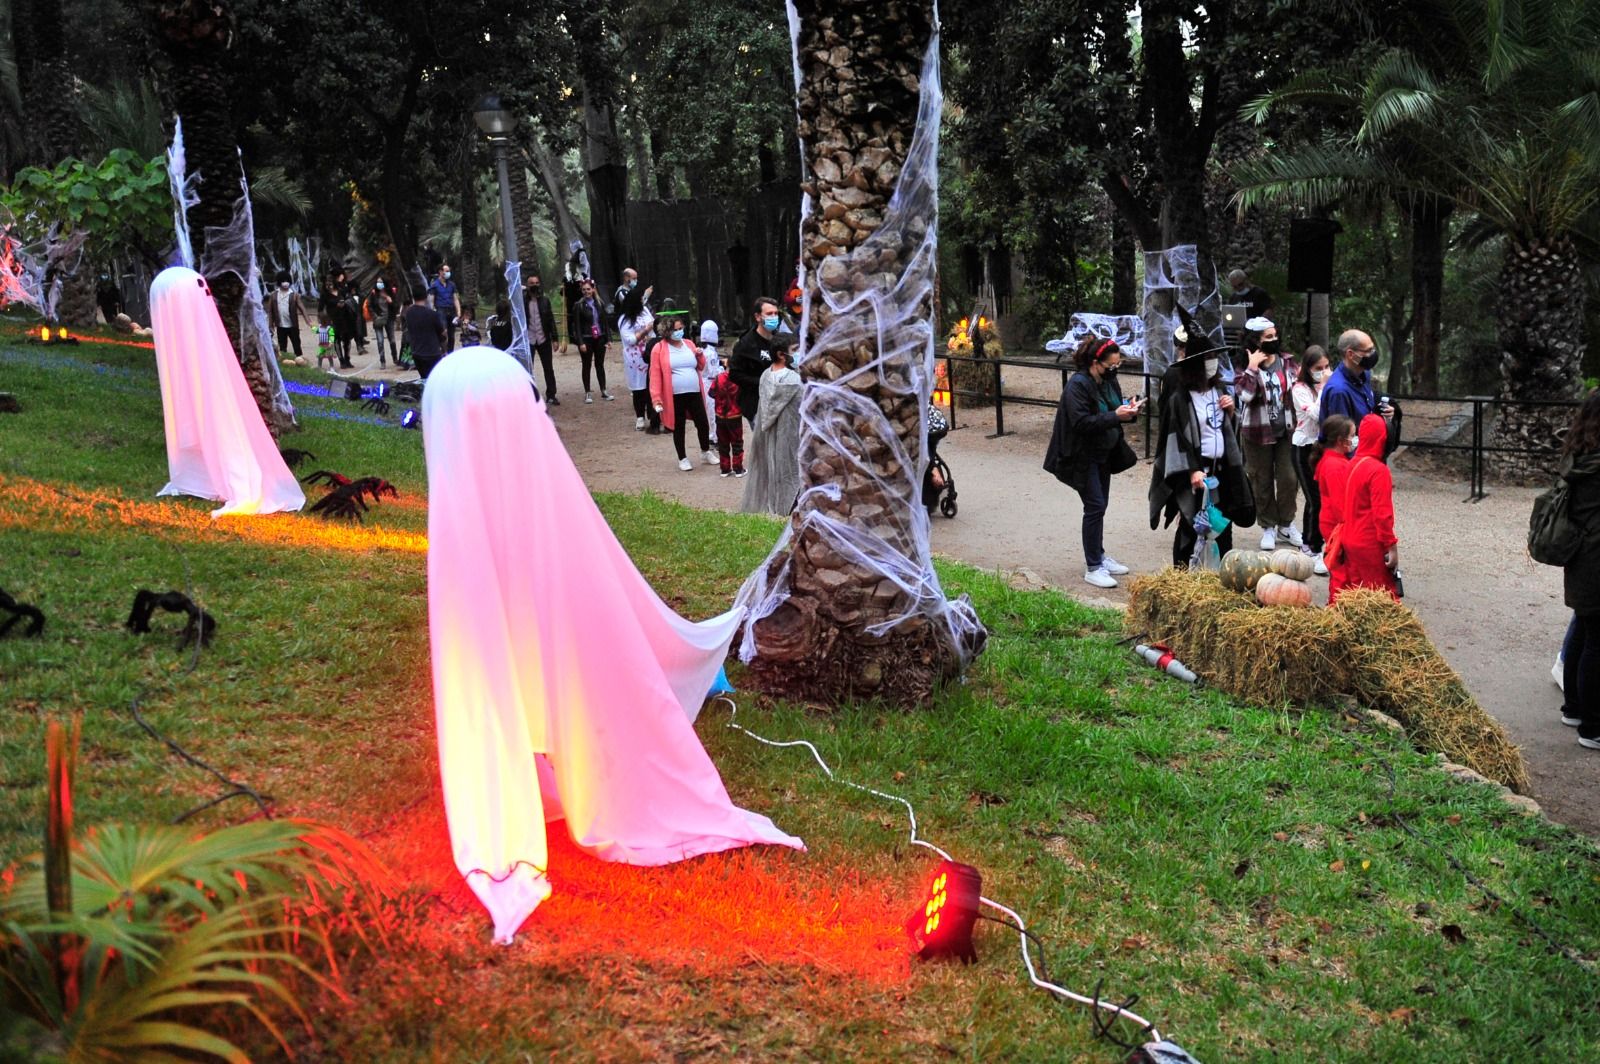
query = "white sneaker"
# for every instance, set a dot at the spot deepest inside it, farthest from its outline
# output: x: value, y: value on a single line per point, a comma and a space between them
x: 1099, y: 578
x: 710, y: 457
x: 685, y: 465
x: 1269, y: 539
x: 1592, y: 744
x: 588, y: 397
x: 1292, y: 534
x: 638, y: 423
x: 1112, y: 566
x: 1319, y: 566
x: 1571, y: 722
x: 607, y: 396
x: 726, y: 474
x: 1558, y: 673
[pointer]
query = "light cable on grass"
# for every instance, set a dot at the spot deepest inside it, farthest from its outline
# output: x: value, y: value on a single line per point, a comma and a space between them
x: 1023, y: 934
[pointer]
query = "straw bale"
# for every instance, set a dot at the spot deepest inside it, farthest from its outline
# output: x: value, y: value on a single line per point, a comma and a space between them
x: 1368, y: 646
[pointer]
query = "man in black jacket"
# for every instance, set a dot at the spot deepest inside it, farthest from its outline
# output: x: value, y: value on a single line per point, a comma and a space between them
x: 541, y: 332
x: 752, y: 355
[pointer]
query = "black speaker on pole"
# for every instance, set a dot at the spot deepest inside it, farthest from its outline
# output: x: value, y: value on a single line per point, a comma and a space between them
x: 1311, y: 254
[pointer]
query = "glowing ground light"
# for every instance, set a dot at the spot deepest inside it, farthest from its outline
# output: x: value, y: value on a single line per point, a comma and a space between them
x: 943, y: 925
x: 45, y: 336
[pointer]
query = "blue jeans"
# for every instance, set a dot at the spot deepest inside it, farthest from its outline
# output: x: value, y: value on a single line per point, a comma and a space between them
x: 1095, y: 493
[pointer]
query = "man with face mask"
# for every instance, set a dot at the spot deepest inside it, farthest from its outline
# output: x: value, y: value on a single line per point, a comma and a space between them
x: 1349, y: 390
x: 447, y: 301
x: 380, y: 310
x: 541, y: 332
x: 752, y: 355
x: 287, y: 312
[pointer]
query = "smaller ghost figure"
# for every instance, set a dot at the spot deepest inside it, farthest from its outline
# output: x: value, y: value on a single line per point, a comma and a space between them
x: 217, y: 445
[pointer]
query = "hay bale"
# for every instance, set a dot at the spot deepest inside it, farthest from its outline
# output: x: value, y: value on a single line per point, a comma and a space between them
x: 1285, y: 653
x: 1395, y: 668
x: 1184, y: 610
x: 1368, y: 646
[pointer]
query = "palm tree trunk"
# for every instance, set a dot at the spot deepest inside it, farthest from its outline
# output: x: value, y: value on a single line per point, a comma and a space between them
x: 848, y: 603
x: 606, y: 164
x: 1430, y: 227
x: 1539, y: 314
x: 471, y: 281
x: 522, y: 217
x: 196, y: 35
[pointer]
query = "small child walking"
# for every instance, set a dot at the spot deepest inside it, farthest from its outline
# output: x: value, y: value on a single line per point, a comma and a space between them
x: 724, y: 395
x: 710, y: 337
x: 324, y: 342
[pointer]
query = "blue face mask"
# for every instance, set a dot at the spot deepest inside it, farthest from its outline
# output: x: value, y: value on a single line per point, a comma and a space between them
x: 677, y: 334
x: 633, y: 283
x: 771, y: 323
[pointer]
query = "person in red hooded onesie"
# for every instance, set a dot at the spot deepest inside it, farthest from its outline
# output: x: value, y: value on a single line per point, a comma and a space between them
x: 1371, y: 552
x: 1331, y: 460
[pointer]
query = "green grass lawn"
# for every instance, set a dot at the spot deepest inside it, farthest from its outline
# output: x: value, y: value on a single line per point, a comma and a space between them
x: 1242, y: 869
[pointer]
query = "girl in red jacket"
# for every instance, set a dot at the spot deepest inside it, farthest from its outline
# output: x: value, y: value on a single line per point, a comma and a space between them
x: 1371, y: 551
x: 1331, y: 461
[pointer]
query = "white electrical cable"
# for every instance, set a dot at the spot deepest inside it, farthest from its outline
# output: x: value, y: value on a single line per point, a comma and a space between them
x: 911, y: 814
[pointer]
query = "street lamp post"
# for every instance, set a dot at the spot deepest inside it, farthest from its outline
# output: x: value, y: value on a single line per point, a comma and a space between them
x: 497, y: 123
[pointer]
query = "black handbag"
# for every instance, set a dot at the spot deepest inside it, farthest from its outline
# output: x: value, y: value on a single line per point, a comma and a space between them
x: 1121, y: 457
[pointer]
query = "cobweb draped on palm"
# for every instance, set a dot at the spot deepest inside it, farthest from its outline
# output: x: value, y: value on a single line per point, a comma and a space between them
x: 877, y: 299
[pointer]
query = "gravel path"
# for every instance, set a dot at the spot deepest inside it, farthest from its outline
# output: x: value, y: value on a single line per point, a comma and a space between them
x: 1495, y: 615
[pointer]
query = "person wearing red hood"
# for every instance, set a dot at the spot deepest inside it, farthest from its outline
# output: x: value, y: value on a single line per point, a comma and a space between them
x: 1371, y: 551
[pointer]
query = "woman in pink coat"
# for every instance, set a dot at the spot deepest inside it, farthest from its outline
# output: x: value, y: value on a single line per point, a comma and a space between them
x: 677, y: 389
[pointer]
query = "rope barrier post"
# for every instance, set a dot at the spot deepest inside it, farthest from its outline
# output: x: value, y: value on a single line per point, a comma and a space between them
x: 999, y: 407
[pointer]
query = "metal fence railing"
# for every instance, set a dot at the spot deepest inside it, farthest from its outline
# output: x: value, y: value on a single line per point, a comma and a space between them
x: 1479, y: 447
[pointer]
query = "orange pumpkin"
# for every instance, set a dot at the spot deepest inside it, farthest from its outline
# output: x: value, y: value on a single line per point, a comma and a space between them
x: 1275, y: 589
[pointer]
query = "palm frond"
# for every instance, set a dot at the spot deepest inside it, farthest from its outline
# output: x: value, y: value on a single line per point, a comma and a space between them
x: 125, y: 115
x: 1332, y: 88
x: 271, y: 186
x: 1318, y: 175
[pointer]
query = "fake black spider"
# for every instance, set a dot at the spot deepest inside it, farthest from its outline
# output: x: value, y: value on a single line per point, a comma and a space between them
x: 293, y: 456
x: 323, y: 476
x: 343, y: 501
x: 374, y: 486
x: 19, y: 611
x: 201, y: 624
x: 376, y: 403
x: 407, y: 391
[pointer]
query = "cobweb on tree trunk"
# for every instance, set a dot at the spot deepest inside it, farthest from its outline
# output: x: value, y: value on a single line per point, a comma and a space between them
x: 860, y: 501
x: 232, y: 249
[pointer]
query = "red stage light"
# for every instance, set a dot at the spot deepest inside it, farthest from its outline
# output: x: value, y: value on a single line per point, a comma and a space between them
x: 943, y: 926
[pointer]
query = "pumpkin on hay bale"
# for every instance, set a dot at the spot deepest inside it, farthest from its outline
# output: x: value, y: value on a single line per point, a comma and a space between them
x: 1369, y: 646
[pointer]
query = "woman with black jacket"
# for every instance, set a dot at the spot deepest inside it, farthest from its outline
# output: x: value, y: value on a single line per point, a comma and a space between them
x: 1087, y: 447
x: 1199, y: 441
x: 1580, y: 467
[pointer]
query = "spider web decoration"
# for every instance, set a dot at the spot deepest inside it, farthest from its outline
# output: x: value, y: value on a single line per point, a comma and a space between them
x: 877, y: 296
x: 519, y: 319
x: 1126, y: 330
x: 232, y: 249
x: 1172, y: 277
x: 184, y: 195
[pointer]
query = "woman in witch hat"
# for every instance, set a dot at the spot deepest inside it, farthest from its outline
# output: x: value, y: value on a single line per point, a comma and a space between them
x: 1199, y: 442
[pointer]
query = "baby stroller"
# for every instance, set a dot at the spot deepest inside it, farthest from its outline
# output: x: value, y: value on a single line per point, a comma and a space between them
x: 938, y: 484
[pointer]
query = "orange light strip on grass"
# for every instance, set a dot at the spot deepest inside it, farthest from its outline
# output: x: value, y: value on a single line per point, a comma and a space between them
x: 26, y: 503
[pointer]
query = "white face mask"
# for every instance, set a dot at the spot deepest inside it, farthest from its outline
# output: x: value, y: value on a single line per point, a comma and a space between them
x: 1354, y: 441
x: 380, y: 286
x: 283, y: 286
x: 1321, y: 375
x: 1211, y: 367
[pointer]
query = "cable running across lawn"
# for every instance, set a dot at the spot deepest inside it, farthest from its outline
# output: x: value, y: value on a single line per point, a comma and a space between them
x: 1023, y: 934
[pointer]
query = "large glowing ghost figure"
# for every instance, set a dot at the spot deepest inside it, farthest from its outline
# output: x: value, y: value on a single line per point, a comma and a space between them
x: 217, y: 445
x: 563, y: 686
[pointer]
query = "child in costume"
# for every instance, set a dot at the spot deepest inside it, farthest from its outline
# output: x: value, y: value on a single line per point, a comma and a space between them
x: 709, y: 338
x: 724, y: 397
x: 324, y: 341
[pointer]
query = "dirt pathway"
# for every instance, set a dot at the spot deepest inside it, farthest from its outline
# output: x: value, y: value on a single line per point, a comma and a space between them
x: 1495, y: 615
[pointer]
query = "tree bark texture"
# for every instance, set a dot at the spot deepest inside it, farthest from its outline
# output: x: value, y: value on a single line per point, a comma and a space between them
x: 606, y: 166
x: 1430, y: 228
x: 522, y: 218
x: 548, y: 168
x: 467, y: 260
x: 860, y: 613
x: 196, y: 36
x: 1539, y: 312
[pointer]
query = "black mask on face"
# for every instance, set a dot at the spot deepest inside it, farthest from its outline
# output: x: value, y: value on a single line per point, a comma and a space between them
x: 1108, y: 372
x: 534, y: 289
x: 1369, y: 359
x: 1272, y: 347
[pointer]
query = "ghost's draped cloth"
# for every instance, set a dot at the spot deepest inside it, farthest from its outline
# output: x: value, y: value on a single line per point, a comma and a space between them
x: 563, y: 685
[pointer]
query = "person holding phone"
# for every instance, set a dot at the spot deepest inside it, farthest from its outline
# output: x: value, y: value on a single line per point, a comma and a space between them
x: 1087, y: 446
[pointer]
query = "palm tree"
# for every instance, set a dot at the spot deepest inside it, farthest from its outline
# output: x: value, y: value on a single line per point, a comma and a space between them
x: 196, y: 36
x: 848, y: 602
x: 1497, y: 115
